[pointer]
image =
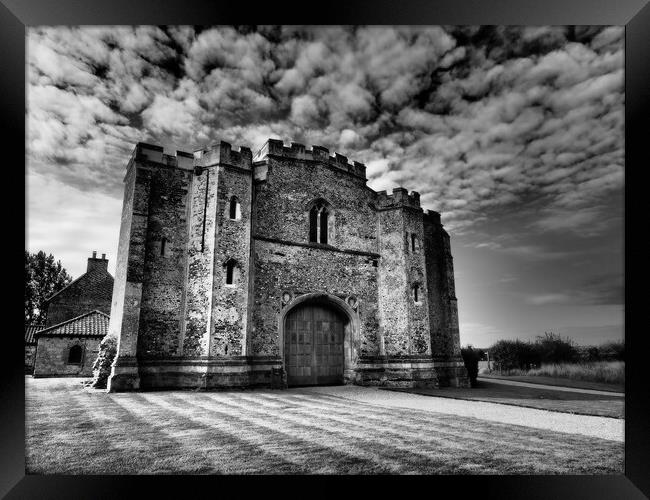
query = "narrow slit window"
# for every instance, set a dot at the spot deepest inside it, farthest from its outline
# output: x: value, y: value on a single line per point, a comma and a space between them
x: 163, y: 244
x: 235, y: 208
x: 414, y: 243
x: 313, y: 225
x: 323, y: 226
x: 416, y: 291
x: 74, y: 355
x: 230, y: 271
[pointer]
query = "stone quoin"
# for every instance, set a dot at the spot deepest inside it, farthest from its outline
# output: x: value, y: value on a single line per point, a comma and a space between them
x: 275, y: 270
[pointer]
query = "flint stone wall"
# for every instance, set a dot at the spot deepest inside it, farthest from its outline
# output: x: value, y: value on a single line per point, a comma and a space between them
x: 180, y: 239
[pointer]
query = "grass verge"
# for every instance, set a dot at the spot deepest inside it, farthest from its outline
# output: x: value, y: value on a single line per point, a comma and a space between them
x: 606, y: 372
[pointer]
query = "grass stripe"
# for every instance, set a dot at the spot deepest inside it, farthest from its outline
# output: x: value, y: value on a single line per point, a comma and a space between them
x: 446, y: 433
x: 290, y: 447
x: 498, y: 450
x: 404, y: 448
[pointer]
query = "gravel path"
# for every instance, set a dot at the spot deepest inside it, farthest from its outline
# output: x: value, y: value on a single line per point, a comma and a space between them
x: 551, y: 387
x: 601, y: 427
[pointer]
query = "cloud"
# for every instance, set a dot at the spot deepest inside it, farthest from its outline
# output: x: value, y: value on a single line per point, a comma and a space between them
x: 170, y: 116
x: 477, y: 119
x: 514, y: 134
x: 588, y: 221
x: 549, y: 298
x: 71, y: 223
x: 530, y: 252
x: 304, y: 111
x: 601, y: 290
x: 479, y: 335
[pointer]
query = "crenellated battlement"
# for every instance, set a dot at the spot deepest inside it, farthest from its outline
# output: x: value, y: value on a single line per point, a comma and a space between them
x: 276, y: 147
x: 204, y: 157
x: 400, y: 197
x: 223, y: 153
x: 156, y: 154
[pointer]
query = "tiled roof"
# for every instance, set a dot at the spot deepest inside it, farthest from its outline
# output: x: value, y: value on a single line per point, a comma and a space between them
x: 90, y: 324
x: 30, y: 330
x: 95, y: 282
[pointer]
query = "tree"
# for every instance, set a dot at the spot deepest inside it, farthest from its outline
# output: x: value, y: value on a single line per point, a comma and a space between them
x: 43, y: 278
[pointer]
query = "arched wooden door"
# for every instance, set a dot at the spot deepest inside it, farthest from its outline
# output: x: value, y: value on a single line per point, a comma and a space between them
x: 313, y: 345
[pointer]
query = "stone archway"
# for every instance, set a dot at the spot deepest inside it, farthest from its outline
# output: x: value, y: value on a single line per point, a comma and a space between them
x: 318, y: 335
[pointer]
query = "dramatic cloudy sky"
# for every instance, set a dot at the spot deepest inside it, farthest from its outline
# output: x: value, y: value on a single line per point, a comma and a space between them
x: 515, y: 134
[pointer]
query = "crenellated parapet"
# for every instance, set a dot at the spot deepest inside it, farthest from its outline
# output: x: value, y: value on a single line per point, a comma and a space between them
x: 399, y: 198
x: 276, y: 147
x: 222, y: 153
x: 144, y: 152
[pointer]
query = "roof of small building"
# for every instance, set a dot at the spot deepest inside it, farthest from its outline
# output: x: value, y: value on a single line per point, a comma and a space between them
x: 95, y: 280
x: 30, y: 330
x: 90, y: 324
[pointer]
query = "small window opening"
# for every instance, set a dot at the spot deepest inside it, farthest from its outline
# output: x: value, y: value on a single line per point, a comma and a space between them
x: 163, y: 244
x: 74, y: 355
x: 416, y: 290
x: 414, y: 242
x: 235, y: 208
x: 232, y: 272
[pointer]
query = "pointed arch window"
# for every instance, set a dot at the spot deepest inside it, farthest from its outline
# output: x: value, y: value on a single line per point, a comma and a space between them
x: 234, y: 208
x: 74, y: 355
x: 318, y: 223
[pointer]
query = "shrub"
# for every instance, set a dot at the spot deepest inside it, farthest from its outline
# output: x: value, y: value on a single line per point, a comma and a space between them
x: 105, y: 357
x: 514, y: 355
x: 588, y: 353
x: 609, y: 351
x: 612, y: 351
x: 471, y: 358
x: 552, y: 348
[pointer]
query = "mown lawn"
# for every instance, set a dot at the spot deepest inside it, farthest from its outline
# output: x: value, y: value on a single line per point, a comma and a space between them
x: 70, y: 430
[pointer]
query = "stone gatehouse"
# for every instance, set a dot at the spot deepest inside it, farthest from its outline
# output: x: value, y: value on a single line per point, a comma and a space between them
x: 276, y: 270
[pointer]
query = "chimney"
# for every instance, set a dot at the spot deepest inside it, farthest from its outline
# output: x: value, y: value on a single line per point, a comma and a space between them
x: 95, y: 264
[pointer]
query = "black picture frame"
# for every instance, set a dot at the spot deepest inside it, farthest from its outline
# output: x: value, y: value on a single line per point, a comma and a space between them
x: 16, y: 15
